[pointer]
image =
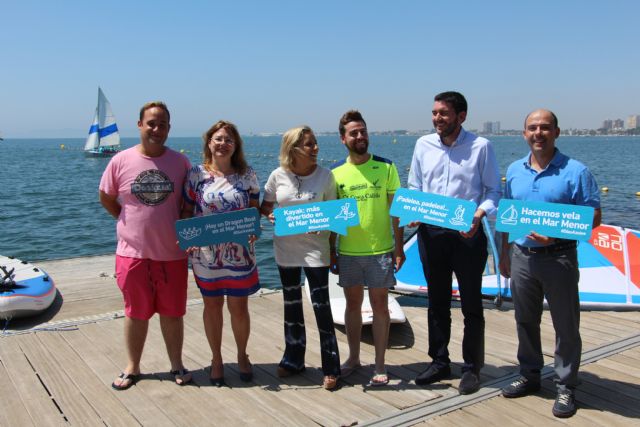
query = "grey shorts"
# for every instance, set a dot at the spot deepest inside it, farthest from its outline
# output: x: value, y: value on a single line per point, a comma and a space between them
x: 373, y: 271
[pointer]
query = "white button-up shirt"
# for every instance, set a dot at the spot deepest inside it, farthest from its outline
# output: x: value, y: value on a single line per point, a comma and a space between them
x: 467, y: 170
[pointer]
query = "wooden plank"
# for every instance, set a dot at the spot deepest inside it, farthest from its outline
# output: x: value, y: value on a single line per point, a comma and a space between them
x: 609, y: 380
x: 495, y: 411
x: 328, y: 408
x: 37, y: 402
x: 311, y: 377
x: 92, y: 356
x: 409, y: 394
x: 463, y: 418
x: 69, y: 399
x: 181, y: 404
x: 112, y: 360
x: 621, y: 366
x: 533, y: 407
x: 591, y: 394
x: 94, y: 390
x: 96, y: 353
x: 12, y: 409
x: 197, y: 349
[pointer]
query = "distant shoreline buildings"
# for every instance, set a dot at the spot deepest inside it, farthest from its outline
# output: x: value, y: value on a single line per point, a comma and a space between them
x: 493, y: 128
x: 609, y: 127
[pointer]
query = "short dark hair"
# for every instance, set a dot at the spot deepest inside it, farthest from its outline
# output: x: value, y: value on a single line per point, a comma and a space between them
x: 455, y: 99
x: 553, y: 116
x: 348, y: 117
x: 155, y: 104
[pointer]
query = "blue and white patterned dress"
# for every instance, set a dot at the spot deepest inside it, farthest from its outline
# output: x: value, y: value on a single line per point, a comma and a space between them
x: 225, y: 268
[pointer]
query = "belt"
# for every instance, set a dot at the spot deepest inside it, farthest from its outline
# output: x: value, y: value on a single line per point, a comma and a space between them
x: 543, y: 250
x: 450, y: 230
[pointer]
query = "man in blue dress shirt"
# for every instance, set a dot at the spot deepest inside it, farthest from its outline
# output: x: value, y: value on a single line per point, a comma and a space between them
x: 455, y: 163
x: 544, y: 267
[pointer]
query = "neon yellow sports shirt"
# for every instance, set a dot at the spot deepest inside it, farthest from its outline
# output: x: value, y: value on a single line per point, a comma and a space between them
x: 370, y: 184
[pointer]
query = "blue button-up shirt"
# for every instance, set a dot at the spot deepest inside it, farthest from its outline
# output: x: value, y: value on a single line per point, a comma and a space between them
x: 564, y: 180
x: 466, y: 170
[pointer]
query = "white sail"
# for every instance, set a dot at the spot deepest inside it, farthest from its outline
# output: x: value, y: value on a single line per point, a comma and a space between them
x: 103, y: 131
x: 93, y: 141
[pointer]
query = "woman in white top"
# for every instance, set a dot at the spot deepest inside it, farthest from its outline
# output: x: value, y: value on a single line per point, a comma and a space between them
x: 298, y: 180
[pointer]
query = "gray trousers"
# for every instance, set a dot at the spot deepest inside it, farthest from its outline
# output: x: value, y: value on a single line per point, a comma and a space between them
x: 554, y: 277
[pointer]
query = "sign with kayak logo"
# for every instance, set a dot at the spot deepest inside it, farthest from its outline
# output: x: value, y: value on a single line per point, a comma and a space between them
x: 332, y: 215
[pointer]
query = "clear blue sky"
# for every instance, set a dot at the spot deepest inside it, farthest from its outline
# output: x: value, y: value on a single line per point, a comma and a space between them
x: 271, y: 65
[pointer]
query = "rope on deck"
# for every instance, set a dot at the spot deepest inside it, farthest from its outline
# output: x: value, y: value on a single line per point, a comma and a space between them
x: 71, y: 324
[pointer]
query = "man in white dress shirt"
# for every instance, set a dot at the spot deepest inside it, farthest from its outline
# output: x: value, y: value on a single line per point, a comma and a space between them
x: 455, y: 163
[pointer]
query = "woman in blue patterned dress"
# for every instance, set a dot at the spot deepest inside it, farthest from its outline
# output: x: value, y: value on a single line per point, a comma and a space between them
x: 223, y: 183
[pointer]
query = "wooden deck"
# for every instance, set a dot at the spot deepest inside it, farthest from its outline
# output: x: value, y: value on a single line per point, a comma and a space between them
x: 57, y: 369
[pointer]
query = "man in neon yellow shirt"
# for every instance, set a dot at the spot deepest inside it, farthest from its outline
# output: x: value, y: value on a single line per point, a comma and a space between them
x: 369, y: 253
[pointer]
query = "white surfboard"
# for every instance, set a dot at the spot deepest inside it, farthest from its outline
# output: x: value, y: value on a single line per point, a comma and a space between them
x: 339, y: 303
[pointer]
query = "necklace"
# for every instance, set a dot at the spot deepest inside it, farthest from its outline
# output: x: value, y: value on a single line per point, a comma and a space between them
x: 218, y: 173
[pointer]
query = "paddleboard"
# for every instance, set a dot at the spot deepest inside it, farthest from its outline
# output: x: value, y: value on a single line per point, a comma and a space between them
x: 32, y: 293
x: 339, y: 304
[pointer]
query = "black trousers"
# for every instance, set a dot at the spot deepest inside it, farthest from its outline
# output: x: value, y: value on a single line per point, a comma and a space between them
x: 294, y: 330
x: 444, y: 252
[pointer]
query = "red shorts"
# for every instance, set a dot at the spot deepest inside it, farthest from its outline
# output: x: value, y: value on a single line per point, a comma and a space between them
x: 150, y: 287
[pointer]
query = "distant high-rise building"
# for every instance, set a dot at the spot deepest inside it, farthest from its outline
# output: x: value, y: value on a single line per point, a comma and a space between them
x: 607, y: 124
x: 618, y: 124
x: 491, y: 127
x: 633, y: 121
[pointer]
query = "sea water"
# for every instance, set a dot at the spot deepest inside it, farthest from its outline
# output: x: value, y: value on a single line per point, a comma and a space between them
x: 49, y: 205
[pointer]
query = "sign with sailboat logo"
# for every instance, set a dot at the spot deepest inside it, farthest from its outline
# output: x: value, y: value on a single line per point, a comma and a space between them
x: 519, y: 218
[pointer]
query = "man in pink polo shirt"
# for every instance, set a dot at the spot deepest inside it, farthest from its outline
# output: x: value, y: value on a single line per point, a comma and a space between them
x: 142, y: 188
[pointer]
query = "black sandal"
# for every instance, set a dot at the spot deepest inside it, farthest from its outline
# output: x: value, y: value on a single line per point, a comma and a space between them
x: 132, y: 378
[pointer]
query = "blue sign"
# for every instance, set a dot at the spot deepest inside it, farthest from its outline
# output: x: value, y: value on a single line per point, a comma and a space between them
x: 333, y: 215
x: 446, y: 212
x: 234, y: 226
x: 519, y: 218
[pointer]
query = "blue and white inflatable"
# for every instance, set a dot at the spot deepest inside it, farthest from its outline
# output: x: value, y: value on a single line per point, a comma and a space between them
x: 25, y: 289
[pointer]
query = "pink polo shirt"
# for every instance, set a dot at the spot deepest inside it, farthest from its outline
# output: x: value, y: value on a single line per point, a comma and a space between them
x: 149, y: 190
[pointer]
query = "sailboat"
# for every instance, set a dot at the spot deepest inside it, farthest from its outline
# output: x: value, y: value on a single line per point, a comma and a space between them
x: 103, y: 139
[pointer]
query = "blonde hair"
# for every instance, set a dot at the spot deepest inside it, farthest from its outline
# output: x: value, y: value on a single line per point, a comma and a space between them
x: 237, y: 158
x: 291, y: 141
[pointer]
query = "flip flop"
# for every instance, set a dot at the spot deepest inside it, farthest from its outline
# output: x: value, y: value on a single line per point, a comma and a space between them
x: 181, y: 376
x: 379, y: 380
x: 346, y: 370
x: 126, y: 381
